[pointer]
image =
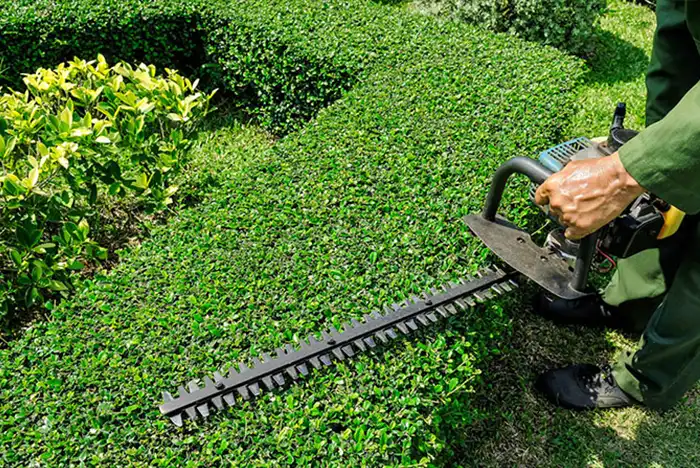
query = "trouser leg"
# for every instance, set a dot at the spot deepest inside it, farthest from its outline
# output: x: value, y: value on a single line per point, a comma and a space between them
x: 666, y: 363
x: 640, y: 281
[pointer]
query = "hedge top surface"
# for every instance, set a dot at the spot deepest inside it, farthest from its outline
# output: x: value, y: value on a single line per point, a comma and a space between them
x: 360, y: 208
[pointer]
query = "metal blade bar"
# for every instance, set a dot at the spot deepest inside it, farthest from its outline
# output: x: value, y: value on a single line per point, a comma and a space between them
x: 267, y: 373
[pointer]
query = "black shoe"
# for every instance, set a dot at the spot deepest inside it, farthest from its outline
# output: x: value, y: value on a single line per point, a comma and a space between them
x: 583, y: 387
x: 589, y: 310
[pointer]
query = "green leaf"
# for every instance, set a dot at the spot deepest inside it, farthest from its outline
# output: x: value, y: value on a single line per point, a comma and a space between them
x: 32, y: 296
x: 66, y: 118
x: 7, y: 150
x: 16, y: 257
x: 12, y: 186
x: 101, y: 253
x: 55, y: 383
x: 92, y: 196
x: 55, y: 285
x: 27, y: 236
x: 452, y: 384
x: 76, y: 265
x: 37, y: 273
x: 41, y: 149
x: 32, y: 178
x: 80, y: 132
x: 71, y: 230
x: 141, y: 181
x: 24, y: 279
x: 103, y: 140
x: 84, y: 227
x: 146, y: 107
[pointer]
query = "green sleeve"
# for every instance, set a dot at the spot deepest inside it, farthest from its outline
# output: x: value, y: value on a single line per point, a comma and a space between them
x: 665, y: 158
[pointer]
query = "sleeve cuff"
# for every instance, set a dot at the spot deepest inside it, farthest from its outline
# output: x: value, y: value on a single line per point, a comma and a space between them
x: 649, y: 160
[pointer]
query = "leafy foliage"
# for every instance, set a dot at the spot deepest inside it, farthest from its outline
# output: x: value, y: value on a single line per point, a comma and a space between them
x: 260, y: 51
x: 80, y: 133
x: 359, y: 208
x: 568, y: 24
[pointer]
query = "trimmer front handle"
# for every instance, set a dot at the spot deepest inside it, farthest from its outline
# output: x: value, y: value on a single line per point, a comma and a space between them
x: 516, y: 248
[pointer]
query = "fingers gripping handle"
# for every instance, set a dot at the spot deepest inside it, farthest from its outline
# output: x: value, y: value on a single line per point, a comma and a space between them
x: 520, y: 165
x: 537, y: 173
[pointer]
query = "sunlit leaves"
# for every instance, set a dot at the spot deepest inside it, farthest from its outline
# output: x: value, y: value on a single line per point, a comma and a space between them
x: 80, y: 131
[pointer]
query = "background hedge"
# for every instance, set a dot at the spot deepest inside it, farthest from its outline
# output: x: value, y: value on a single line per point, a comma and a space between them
x: 276, y: 59
x: 567, y: 24
x: 359, y: 208
x: 281, y: 61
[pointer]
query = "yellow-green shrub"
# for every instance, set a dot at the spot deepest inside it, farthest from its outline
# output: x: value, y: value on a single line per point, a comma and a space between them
x: 80, y: 133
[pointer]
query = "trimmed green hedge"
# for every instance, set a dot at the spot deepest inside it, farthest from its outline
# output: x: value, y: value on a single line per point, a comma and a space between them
x: 279, y: 60
x: 359, y: 208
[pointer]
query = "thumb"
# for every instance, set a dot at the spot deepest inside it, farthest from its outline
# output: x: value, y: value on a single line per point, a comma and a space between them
x: 542, y: 194
x: 574, y: 234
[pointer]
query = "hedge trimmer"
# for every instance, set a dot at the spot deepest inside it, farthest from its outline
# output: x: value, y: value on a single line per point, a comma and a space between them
x: 560, y: 267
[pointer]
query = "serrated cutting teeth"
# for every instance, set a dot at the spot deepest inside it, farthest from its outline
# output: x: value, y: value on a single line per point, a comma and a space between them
x: 243, y: 392
x: 338, y: 353
x: 177, y: 420
x: 268, y: 371
x: 291, y: 372
x: 267, y: 381
x: 315, y: 362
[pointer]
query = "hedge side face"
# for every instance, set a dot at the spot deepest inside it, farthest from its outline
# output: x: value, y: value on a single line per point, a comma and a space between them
x: 359, y: 208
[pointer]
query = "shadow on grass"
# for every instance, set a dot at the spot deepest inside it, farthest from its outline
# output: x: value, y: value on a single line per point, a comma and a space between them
x: 520, y: 428
x: 392, y: 2
x: 615, y: 60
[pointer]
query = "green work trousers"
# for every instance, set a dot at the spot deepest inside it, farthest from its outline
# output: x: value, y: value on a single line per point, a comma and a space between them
x: 659, y: 290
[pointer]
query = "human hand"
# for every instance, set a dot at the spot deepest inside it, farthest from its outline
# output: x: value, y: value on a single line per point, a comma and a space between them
x: 586, y: 195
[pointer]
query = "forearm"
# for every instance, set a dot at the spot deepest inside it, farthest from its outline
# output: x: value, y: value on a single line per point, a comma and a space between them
x: 665, y: 158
